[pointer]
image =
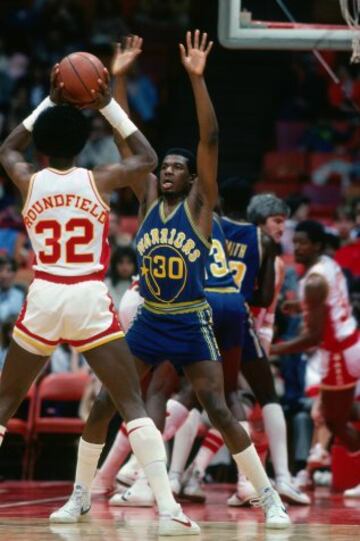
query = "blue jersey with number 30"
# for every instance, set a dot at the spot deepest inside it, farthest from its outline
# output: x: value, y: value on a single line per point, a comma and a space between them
x: 243, y: 241
x: 171, y: 255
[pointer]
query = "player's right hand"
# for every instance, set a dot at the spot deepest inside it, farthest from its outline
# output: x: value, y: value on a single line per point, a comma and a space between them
x: 125, y: 56
x: 102, y: 96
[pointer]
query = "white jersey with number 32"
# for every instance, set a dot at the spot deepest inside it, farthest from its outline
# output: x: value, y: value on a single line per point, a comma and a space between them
x: 67, y: 223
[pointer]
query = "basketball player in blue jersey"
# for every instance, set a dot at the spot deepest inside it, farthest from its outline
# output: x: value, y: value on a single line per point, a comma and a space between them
x: 252, y: 256
x: 175, y: 321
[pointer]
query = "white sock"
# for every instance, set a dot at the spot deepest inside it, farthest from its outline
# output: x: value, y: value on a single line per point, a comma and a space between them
x: 275, y: 428
x: 249, y: 464
x: 176, y: 415
x: 183, y: 442
x: 2, y: 433
x: 117, y: 454
x: 211, y: 444
x: 87, y: 461
x: 149, y: 449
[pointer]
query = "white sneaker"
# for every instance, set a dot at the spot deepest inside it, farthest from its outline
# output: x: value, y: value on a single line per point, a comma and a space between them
x: 352, y: 492
x: 318, y: 457
x: 175, y: 483
x: 75, y: 509
x: 139, y: 495
x: 177, y: 524
x: 192, y: 486
x: 245, y: 492
x: 303, y: 480
x: 291, y: 493
x: 129, y: 472
x: 276, y: 516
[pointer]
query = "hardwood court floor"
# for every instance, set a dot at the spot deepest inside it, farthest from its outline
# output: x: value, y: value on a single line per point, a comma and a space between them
x: 24, y: 508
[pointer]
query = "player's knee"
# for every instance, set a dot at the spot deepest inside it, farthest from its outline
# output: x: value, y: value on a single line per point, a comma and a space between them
x: 216, y: 408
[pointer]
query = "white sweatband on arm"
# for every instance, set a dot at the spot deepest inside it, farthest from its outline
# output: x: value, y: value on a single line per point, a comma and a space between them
x: 118, y: 119
x: 29, y: 121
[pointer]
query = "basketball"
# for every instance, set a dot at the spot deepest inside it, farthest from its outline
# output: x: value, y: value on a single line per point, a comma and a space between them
x: 80, y: 73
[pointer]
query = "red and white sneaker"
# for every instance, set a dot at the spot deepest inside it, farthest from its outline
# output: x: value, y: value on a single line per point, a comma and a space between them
x: 177, y: 524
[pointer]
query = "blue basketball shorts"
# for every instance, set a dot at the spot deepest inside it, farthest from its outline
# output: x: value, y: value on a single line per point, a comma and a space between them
x: 229, y: 316
x: 181, y: 338
x: 251, y: 349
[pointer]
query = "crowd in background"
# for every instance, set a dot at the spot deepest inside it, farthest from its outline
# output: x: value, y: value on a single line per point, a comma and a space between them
x: 315, y: 117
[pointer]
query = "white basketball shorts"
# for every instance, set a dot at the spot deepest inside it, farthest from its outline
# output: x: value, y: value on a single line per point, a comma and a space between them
x: 80, y: 314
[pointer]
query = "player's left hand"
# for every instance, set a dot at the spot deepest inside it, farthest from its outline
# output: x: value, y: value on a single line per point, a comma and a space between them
x: 195, y: 55
x: 56, y: 87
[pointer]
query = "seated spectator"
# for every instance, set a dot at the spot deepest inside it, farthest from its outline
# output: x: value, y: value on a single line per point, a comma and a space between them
x: 122, y: 267
x: 13, y: 240
x: 344, y: 223
x: 11, y: 296
x: 338, y: 168
x: 299, y: 210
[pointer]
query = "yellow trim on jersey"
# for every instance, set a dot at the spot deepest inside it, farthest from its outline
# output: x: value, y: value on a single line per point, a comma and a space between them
x: 97, y: 193
x: 229, y: 289
x: 61, y: 171
x: 194, y: 226
x: 164, y: 218
x: 177, y: 308
x: 29, y: 193
x: 100, y: 341
x: 46, y: 349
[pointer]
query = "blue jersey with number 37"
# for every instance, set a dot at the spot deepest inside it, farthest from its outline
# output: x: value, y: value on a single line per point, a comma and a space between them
x: 218, y: 274
x: 171, y: 255
x: 243, y: 241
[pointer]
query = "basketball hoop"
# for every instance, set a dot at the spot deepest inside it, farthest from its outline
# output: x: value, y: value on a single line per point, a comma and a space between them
x: 351, y: 13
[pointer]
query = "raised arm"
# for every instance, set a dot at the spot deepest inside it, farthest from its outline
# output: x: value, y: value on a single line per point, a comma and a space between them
x: 194, y: 58
x: 142, y: 158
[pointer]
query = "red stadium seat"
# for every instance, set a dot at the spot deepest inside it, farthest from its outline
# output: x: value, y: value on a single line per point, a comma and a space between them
x: 284, y: 166
x: 57, y: 388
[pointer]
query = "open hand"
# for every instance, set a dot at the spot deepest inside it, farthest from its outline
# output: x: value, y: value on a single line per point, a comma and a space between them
x: 124, y: 56
x: 195, y: 55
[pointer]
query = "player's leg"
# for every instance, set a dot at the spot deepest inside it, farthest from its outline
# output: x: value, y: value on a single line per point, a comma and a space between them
x: 163, y: 384
x: 115, y: 367
x: 207, y: 380
x: 336, y: 408
x: 256, y: 370
x: 20, y: 370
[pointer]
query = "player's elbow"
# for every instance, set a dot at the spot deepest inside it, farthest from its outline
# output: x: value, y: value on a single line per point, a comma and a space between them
x: 150, y: 160
x: 213, y: 138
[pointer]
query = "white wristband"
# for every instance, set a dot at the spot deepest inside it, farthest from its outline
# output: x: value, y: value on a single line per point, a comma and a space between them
x: 118, y: 119
x: 31, y: 119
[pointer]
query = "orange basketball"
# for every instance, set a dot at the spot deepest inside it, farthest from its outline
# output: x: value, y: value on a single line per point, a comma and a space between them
x: 80, y: 73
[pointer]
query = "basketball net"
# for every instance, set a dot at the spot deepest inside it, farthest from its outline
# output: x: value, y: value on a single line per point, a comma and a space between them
x: 351, y: 13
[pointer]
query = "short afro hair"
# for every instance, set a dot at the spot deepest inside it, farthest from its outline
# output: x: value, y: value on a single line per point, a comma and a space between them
x: 61, y: 131
x: 264, y: 205
x: 314, y: 230
x: 185, y: 153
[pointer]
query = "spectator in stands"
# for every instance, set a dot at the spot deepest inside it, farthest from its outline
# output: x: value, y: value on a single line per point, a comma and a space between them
x: 11, y: 296
x: 299, y: 210
x: 338, y: 168
x: 344, y: 223
x: 13, y: 240
x: 100, y: 148
x: 122, y: 267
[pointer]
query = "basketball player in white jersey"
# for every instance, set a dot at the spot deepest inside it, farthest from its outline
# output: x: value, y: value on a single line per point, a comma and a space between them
x: 329, y: 325
x: 66, y: 215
